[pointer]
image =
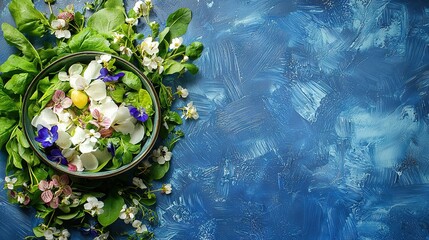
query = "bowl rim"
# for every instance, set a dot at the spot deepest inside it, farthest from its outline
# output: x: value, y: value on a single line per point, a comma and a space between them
x: 101, y: 174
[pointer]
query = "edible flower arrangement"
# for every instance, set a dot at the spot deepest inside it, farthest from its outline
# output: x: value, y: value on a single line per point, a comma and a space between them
x: 93, y: 116
x: 105, y: 112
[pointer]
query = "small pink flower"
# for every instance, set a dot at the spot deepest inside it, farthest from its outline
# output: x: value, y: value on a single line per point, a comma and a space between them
x: 67, y: 190
x: 44, y: 185
x: 60, y: 101
x: 100, y: 120
x: 54, y: 203
x: 47, y: 196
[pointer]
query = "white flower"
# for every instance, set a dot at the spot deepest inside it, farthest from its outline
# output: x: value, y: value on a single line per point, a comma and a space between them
x: 10, y: 182
x: 176, y: 43
x: 149, y: 46
x: 142, y: 9
x: 139, y: 183
x: 128, y: 214
x: 126, y: 51
x: 64, y: 235
x: 94, y: 206
x: 75, y: 69
x: 166, y: 188
x: 20, y: 197
x: 117, y: 37
x: 60, y: 26
x: 103, y: 236
x: 183, y: 92
x: 132, y: 21
x: 161, y: 155
x: 50, y: 232
x: 153, y: 63
x: 140, y: 228
x: 96, y: 89
x: 86, y: 139
x: 190, y: 111
x: 105, y: 58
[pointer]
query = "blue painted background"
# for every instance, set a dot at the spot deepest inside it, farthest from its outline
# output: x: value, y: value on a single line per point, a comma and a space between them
x: 313, y: 123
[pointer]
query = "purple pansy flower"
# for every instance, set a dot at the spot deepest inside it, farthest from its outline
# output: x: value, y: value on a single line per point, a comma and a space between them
x: 55, y: 155
x: 47, y: 137
x: 138, y: 113
x: 91, y: 229
x: 111, y: 149
x: 106, y: 77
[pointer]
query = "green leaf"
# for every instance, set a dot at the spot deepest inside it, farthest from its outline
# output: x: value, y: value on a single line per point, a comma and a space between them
x: 115, y: 4
x: 155, y: 29
x: 18, y: 83
x: 164, y: 35
x: 158, y: 171
x: 12, y: 150
x: 174, y: 117
x: 112, y: 207
x: 165, y: 96
x: 172, y: 67
x: 38, y: 231
x: 68, y: 216
x: 27, y: 18
x: 194, y: 50
x: 192, y: 68
x: 40, y: 173
x: 6, y: 128
x: 149, y: 126
x: 106, y: 20
x: 89, y: 40
x: 145, y: 100
x: 15, y: 64
x: 7, y: 104
x: 17, y: 39
x: 151, y: 200
x: 132, y: 80
x: 179, y: 21
x: 118, y: 94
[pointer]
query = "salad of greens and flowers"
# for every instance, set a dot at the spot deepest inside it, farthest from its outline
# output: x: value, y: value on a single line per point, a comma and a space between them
x: 93, y: 116
x: 95, y: 113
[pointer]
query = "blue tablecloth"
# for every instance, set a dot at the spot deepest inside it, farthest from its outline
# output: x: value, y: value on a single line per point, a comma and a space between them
x: 313, y: 123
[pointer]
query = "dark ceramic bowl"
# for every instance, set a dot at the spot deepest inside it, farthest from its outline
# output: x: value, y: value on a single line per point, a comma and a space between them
x: 86, y: 57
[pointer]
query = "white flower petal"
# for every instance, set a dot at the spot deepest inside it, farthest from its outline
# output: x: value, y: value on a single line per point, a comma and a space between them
x: 63, y: 140
x: 63, y: 76
x: 87, y: 146
x: 79, y: 136
x: 125, y: 127
x: 69, y: 153
x: 89, y: 161
x: 76, y: 69
x: 108, y: 108
x: 138, y: 134
x: 78, y: 82
x: 102, y: 156
x: 93, y: 70
x: 96, y: 90
x: 47, y: 118
x: 122, y: 114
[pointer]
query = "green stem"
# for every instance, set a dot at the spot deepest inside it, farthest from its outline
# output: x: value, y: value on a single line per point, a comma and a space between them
x: 50, y: 7
x: 52, y: 217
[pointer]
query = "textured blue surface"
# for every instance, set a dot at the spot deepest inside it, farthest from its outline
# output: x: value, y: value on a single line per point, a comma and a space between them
x: 313, y: 123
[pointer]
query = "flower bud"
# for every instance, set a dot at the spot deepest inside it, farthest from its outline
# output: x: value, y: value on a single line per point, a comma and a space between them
x: 66, y: 16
